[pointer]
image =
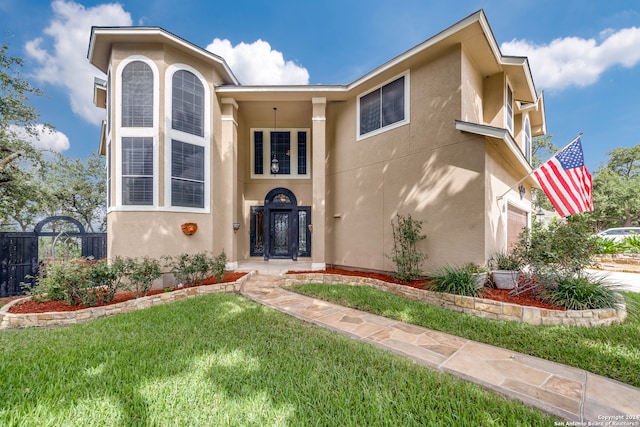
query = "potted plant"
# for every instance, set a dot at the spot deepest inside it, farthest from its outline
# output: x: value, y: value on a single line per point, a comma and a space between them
x: 505, y: 270
x: 478, y: 273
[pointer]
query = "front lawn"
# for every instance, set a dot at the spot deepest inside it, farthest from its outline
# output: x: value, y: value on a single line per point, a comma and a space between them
x: 223, y: 360
x: 611, y: 351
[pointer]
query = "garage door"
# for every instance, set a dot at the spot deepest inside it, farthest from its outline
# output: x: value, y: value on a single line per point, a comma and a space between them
x: 516, y: 221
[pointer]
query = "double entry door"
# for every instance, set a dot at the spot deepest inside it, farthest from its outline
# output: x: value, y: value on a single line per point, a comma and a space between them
x: 280, y: 229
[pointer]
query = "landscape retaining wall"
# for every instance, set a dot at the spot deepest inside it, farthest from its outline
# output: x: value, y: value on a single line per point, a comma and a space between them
x: 472, y: 305
x: 17, y: 321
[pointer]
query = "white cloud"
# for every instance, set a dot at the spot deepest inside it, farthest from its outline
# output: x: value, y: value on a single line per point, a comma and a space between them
x: 573, y: 61
x: 65, y: 62
x: 43, y: 138
x: 258, y: 64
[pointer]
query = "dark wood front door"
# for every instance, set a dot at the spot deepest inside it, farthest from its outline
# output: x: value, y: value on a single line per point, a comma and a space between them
x: 282, y: 236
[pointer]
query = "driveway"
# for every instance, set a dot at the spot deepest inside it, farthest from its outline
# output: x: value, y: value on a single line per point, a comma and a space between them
x: 626, y: 281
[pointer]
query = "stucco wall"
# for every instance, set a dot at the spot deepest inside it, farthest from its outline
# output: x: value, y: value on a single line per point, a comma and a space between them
x: 426, y: 169
x: 137, y: 231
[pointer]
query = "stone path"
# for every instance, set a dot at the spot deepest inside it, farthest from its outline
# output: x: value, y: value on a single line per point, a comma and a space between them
x: 570, y: 393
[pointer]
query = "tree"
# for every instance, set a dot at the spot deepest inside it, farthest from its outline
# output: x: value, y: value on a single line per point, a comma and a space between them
x: 76, y: 188
x: 616, y: 189
x: 19, y: 159
x: 15, y: 113
x: 542, y: 148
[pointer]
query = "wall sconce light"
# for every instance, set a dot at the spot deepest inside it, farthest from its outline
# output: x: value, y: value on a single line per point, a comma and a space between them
x: 236, y: 226
x: 522, y: 191
x: 275, y: 168
x: 310, y: 227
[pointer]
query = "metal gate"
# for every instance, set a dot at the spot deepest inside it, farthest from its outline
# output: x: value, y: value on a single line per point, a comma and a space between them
x: 19, y: 253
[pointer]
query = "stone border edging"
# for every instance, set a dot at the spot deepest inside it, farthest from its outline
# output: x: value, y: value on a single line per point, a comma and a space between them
x: 480, y: 307
x: 28, y: 320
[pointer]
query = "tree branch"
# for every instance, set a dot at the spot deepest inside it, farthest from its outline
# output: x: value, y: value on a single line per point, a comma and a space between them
x: 10, y: 158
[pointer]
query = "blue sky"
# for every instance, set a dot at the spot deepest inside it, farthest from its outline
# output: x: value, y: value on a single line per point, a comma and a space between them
x: 585, y: 55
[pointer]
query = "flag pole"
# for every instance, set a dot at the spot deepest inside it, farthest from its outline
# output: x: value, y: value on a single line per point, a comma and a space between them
x: 531, y: 173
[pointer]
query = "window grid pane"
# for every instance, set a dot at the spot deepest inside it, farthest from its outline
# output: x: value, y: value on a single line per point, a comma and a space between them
x: 137, y: 171
x: 187, y: 175
x: 281, y: 149
x: 370, y: 112
x: 302, y: 153
x: 188, y: 103
x: 393, y: 102
x: 258, y: 153
x: 137, y: 95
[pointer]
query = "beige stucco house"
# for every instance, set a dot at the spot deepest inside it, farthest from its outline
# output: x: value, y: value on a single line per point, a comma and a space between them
x: 442, y: 132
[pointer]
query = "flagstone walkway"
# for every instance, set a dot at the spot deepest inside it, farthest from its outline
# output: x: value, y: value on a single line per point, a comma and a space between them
x: 570, y: 393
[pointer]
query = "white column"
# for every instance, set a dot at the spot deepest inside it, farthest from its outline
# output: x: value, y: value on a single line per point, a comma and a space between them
x: 318, y: 175
x: 228, y: 181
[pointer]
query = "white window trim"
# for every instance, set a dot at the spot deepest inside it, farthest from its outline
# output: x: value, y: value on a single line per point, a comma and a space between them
x: 266, y: 154
x: 407, y: 103
x: 171, y: 134
x: 151, y: 132
x: 526, y: 134
x: 509, y: 113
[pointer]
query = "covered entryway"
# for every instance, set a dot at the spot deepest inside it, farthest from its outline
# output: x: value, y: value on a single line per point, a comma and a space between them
x: 280, y: 229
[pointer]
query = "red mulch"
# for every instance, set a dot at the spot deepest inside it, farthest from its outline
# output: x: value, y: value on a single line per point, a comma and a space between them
x: 55, y: 306
x: 527, y: 298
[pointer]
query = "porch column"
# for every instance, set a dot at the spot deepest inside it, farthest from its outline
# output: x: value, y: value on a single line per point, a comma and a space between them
x: 228, y: 182
x: 318, y: 179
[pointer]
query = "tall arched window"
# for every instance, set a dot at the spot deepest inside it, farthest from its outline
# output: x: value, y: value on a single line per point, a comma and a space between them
x: 137, y: 95
x: 187, y: 103
x: 187, y: 140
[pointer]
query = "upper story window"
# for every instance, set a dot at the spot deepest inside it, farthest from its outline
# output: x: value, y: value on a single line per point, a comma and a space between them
x: 527, y: 138
x: 187, y: 103
x: 187, y: 158
x: 385, y: 107
x: 290, y: 147
x: 509, y: 108
x: 137, y: 95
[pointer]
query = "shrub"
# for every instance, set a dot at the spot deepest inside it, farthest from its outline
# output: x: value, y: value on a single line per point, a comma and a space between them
x: 141, y: 273
x: 219, y: 265
x: 578, y: 292
x: 505, y: 261
x: 106, y: 278
x: 456, y: 280
x: 194, y: 268
x: 68, y: 281
x: 406, y: 256
x: 630, y: 244
x: 565, y: 246
x: 607, y: 246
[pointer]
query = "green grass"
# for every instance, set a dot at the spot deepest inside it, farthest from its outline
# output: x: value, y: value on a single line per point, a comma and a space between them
x: 611, y: 351
x: 223, y: 360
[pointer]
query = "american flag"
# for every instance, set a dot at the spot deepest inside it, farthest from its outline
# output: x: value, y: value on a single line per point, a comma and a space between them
x: 566, y: 181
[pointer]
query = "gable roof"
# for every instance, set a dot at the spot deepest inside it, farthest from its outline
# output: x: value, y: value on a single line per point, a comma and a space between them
x: 103, y: 38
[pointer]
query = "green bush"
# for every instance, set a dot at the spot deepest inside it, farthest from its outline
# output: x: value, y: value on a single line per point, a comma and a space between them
x: 106, y: 278
x: 193, y: 268
x: 456, y: 280
x: 141, y: 273
x: 68, y: 281
x: 577, y: 292
x: 630, y: 244
x: 406, y: 256
x: 566, y: 246
x: 505, y: 261
x: 607, y: 246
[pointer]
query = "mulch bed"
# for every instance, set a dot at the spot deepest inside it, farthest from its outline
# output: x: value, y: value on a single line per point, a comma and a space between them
x: 527, y: 298
x: 58, y: 306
